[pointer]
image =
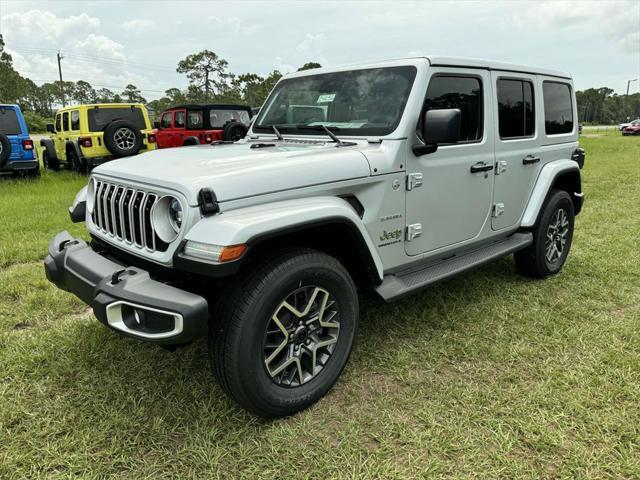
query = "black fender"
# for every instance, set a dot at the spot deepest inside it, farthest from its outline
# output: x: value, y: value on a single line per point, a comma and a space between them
x: 48, y: 145
x: 74, y: 145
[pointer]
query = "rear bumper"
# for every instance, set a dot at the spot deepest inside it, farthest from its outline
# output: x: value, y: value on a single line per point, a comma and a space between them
x: 17, y: 165
x: 125, y: 299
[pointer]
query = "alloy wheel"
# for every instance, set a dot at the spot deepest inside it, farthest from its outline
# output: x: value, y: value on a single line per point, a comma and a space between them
x: 301, y: 336
x: 556, y: 236
x: 124, y: 138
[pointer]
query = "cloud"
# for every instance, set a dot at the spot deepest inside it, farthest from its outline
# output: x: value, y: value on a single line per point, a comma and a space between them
x: 138, y: 25
x: 312, y: 43
x: 233, y: 25
x: 88, y: 54
x: 615, y: 21
x: 51, y: 29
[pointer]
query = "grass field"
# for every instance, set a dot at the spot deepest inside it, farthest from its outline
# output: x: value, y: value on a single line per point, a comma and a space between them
x: 489, y: 375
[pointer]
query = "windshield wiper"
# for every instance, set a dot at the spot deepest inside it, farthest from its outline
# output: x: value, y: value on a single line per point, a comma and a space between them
x: 278, y: 134
x: 332, y: 135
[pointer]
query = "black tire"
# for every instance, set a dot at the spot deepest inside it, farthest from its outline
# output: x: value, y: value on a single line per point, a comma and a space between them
x: 122, y: 138
x: 191, y: 141
x: 533, y: 261
x: 49, y: 163
x: 5, y: 149
x: 237, y: 348
x: 75, y: 162
x: 234, y: 131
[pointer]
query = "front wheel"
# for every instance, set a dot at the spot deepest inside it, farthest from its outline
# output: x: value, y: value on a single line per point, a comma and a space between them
x: 552, y: 237
x: 283, y: 333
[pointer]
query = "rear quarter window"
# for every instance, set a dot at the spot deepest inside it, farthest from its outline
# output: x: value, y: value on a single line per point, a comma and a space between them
x: 9, y: 122
x: 558, y: 108
x: 99, y: 118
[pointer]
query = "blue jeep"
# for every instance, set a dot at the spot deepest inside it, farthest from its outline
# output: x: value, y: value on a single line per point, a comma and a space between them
x: 16, y: 148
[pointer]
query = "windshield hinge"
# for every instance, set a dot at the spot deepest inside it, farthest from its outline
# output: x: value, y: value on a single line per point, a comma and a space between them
x: 414, y: 180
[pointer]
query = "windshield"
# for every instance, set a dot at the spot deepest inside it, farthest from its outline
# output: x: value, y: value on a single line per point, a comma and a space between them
x: 358, y: 102
x: 9, y: 122
x: 100, y: 117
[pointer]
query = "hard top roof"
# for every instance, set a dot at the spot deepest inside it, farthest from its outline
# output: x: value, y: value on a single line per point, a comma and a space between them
x: 438, y: 60
x: 211, y: 106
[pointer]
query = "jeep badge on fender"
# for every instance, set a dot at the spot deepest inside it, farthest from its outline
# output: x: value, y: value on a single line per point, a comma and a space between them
x: 388, y: 177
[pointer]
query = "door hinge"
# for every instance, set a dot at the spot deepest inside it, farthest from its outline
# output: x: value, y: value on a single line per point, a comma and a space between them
x: 414, y: 231
x: 414, y: 180
x: 498, y: 209
x: 501, y: 166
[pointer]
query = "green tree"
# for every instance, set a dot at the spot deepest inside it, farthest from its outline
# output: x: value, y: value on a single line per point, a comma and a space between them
x: 207, y: 74
x: 84, y: 92
x: 104, y: 95
x: 10, y: 80
x: 132, y: 94
x: 309, y: 66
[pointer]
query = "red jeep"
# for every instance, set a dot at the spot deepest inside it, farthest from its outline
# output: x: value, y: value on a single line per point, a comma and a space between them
x: 194, y: 124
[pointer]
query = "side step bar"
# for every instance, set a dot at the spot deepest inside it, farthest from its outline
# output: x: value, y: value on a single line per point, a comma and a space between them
x: 400, y: 284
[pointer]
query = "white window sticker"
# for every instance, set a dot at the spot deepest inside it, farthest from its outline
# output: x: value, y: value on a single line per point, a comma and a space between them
x: 327, y: 97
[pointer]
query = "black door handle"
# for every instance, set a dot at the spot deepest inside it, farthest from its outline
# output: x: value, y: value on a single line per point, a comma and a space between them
x: 529, y: 159
x: 481, y: 167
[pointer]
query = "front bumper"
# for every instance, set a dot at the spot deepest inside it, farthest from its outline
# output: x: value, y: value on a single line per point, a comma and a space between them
x: 125, y: 299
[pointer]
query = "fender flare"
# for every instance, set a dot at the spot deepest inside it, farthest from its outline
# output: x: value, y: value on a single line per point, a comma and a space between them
x: 75, y: 146
x: 547, y: 177
x: 251, y: 225
x: 48, y: 145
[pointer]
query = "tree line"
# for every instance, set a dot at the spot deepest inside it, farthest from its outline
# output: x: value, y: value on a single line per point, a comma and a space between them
x: 210, y: 81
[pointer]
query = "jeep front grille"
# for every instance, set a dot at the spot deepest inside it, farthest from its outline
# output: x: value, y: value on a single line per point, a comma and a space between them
x: 125, y: 213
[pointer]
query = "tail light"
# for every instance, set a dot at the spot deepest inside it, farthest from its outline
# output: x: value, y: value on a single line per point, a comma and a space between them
x: 208, y: 139
x: 85, y: 142
x: 151, y: 138
x: 27, y: 144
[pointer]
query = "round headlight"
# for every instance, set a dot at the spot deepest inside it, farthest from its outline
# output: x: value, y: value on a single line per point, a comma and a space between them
x: 166, y: 218
x: 91, y: 195
x: 175, y: 215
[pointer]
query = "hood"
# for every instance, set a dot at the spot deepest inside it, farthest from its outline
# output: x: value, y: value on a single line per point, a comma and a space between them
x: 236, y: 170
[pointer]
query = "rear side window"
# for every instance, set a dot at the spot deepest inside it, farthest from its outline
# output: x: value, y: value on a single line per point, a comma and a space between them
x: 464, y: 93
x: 165, y: 121
x: 75, y: 120
x: 9, y: 122
x: 65, y: 121
x: 218, y: 117
x: 558, y: 111
x: 516, y: 118
x: 58, y: 123
x: 178, y: 119
x: 194, y: 119
x: 99, y: 118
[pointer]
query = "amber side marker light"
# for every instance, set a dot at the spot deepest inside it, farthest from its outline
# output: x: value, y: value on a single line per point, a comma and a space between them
x: 232, y: 253
x: 214, y: 253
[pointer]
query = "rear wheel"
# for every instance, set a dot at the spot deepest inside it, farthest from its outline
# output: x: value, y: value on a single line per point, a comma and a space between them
x: 122, y: 138
x: 552, y: 237
x: 234, y: 131
x: 50, y: 163
x: 283, y: 333
x: 75, y: 162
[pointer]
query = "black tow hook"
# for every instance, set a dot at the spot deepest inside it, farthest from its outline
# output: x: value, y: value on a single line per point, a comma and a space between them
x: 115, y: 278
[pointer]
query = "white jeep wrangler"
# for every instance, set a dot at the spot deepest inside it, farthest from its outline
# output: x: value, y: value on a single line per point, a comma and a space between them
x: 389, y: 176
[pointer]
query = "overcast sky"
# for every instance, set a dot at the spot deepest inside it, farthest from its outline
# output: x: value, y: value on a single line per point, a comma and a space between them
x: 140, y: 42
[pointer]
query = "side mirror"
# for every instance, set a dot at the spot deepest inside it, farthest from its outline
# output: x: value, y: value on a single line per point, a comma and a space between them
x: 50, y: 128
x: 439, y: 126
x: 156, y: 124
